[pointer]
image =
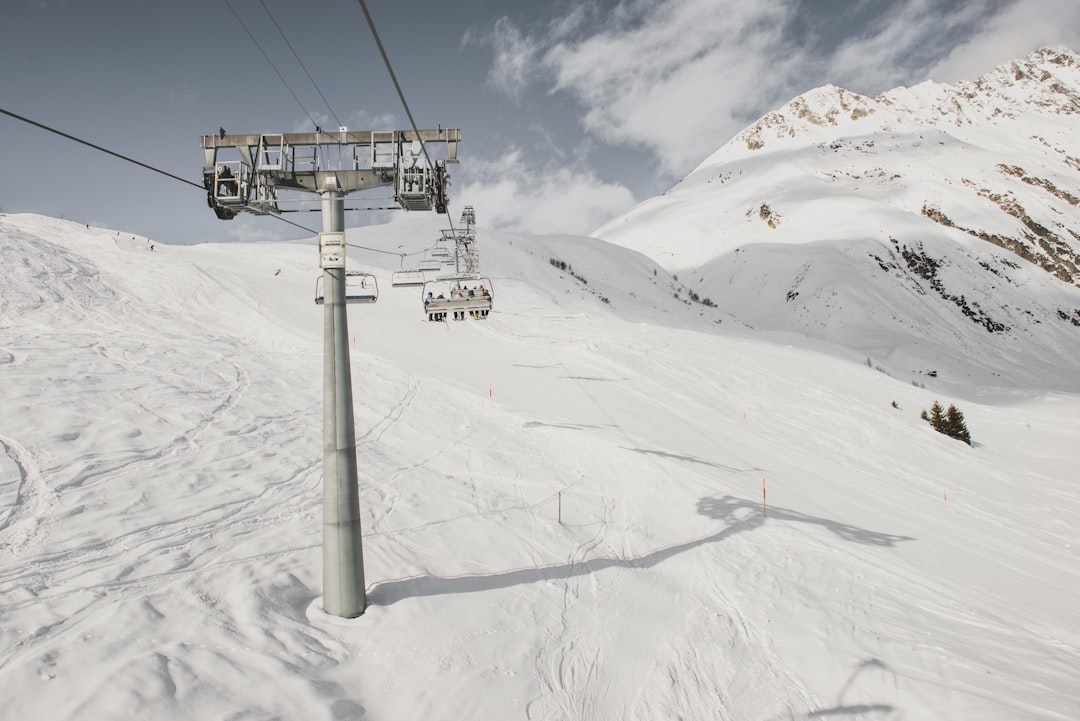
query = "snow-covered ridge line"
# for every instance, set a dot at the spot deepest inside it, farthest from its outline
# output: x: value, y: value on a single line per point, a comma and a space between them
x: 1047, y: 82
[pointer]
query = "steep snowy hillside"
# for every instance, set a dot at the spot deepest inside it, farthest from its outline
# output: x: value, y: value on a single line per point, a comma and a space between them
x: 934, y: 228
x: 564, y: 506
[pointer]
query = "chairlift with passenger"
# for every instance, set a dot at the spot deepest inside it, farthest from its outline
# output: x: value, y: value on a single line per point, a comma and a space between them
x: 360, y: 287
x: 459, y: 296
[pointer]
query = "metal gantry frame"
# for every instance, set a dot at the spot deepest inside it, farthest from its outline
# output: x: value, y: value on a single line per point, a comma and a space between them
x: 257, y: 173
x: 253, y: 172
x: 466, y: 254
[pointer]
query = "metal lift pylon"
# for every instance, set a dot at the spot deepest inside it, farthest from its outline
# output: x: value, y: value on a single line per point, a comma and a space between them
x: 250, y: 182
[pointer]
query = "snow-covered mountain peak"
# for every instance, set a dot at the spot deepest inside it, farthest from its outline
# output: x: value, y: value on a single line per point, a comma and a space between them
x: 815, y: 110
x: 1047, y: 79
x: 1046, y: 82
x: 940, y: 215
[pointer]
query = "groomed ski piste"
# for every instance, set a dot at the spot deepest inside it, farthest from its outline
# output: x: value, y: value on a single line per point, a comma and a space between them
x: 562, y: 504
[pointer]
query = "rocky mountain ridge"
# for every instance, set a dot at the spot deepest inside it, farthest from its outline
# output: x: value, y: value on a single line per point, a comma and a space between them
x: 1046, y: 83
x: 928, y: 221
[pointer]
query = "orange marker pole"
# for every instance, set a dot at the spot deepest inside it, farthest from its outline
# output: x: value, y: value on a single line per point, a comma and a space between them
x: 764, y: 507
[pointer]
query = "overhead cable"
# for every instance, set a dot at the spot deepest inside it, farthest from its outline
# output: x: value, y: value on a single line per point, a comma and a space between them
x: 397, y: 86
x: 332, y: 113
x: 271, y: 63
x: 98, y: 147
x: 387, y: 252
x: 124, y: 157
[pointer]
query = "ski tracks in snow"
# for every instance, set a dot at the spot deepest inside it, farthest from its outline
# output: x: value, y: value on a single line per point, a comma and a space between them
x: 33, y: 507
x: 569, y: 664
x: 613, y: 608
x: 186, y: 443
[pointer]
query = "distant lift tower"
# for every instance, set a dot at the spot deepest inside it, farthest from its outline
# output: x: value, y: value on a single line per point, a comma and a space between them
x: 255, y: 173
x: 466, y: 254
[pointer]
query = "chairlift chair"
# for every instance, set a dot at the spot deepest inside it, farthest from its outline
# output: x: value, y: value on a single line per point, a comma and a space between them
x: 406, y: 278
x: 360, y: 287
x: 459, y: 296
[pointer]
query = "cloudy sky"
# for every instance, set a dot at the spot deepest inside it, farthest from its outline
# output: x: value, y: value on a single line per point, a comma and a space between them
x: 571, y: 111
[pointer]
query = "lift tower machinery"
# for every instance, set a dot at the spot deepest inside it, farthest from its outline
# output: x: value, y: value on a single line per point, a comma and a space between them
x: 257, y: 173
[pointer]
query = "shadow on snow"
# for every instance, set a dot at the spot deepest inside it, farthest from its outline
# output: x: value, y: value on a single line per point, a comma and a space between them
x: 740, y: 515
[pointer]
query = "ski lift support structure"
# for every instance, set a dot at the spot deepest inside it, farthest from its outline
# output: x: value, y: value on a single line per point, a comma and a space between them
x: 463, y: 238
x: 254, y: 173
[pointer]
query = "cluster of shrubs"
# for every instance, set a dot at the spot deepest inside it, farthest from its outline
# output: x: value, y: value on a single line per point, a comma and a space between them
x: 949, y: 421
x: 698, y: 299
x: 563, y: 265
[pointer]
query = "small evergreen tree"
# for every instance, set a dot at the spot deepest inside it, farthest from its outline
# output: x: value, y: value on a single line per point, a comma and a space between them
x: 955, y: 425
x: 936, y: 419
x: 950, y: 422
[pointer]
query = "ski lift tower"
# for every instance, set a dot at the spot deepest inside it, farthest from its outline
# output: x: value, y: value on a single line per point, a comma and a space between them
x: 258, y: 173
x: 466, y: 254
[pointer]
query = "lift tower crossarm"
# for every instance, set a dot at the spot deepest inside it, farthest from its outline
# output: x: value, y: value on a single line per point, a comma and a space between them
x: 243, y: 173
x: 450, y: 136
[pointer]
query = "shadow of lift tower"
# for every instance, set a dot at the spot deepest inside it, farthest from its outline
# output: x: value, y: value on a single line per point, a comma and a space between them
x: 247, y: 173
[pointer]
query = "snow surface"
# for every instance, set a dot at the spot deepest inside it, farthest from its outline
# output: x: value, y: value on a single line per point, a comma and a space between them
x: 160, y: 519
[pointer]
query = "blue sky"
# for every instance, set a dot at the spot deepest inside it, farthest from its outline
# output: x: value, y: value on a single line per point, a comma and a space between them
x: 570, y: 112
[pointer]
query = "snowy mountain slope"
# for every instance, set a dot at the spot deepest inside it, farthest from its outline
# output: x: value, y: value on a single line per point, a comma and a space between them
x: 932, y: 224
x: 159, y: 487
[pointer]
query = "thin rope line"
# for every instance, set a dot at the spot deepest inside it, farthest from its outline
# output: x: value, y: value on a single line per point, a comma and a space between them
x: 126, y: 158
x: 98, y: 147
x: 401, y: 95
x: 271, y: 63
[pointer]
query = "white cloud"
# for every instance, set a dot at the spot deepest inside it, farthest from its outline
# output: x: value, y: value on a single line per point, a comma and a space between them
x: 515, y: 197
x: 676, y: 76
x: 356, y: 120
x: 925, y: 39
x: 1020, y: 28
x: 515, y: 56
x: 364, y: 120
x: 902, y: 44
x: 679, y: 78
